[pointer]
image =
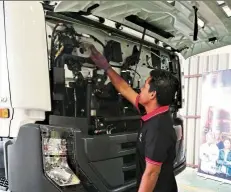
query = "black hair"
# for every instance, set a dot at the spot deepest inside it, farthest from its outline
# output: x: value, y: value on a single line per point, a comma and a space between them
x: 165, y: 84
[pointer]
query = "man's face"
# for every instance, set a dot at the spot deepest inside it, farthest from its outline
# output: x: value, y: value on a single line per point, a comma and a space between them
x: 217, y: 135
x: 145, y: 95
x: 210, y: 138
x: 227, y: 144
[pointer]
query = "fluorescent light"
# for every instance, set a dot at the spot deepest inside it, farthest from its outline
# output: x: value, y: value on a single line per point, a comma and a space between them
x: 220, y: 2
x: 201, y: 23
x: 171, y: 3
x: 227, y: 10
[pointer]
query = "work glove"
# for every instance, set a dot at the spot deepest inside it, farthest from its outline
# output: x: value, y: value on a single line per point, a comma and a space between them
x: 99, y: 60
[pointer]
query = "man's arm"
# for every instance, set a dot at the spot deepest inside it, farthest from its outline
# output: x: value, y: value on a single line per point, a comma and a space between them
x: 122, y: 86
x: 150, y: 177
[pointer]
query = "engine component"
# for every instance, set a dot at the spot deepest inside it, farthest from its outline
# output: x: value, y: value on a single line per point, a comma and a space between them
x: 88, y: 100
x: 113, y: 51
x: 126, y: 75
x: 160, y: 60
x: 72, y: 60
x: 164, y: 62
x: 156, y: 60
x: 131, y: 60
x: 99, y: 78
x: 141, y: 46
x: 62, y: 41
x: 173, y: 66
x: 126, y: 118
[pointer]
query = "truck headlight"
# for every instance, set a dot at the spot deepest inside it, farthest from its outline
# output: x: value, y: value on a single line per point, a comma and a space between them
x: 55, y: 159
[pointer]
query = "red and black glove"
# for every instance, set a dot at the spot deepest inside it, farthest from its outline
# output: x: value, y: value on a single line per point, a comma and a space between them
x: 99, y: 60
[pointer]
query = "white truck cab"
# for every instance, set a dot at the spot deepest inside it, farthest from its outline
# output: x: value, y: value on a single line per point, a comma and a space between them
x: 25, y: 90
x: 51, y: 95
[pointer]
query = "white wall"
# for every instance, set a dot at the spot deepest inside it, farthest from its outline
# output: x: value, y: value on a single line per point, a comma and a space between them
x: 194, y: 68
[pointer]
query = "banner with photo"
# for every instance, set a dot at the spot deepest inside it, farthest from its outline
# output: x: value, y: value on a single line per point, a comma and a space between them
x: 215, y: 146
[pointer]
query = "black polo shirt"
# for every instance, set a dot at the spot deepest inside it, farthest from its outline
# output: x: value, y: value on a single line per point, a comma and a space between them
x: 156, y: 144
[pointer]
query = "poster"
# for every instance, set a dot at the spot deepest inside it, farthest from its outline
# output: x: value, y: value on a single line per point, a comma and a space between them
x: 215, y: 146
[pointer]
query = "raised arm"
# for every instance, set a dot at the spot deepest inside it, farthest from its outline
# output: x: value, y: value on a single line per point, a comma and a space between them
x: 119, y: 83
x: 122, y: 86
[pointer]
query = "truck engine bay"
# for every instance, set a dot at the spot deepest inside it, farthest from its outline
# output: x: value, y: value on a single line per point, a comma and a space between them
x: 81, y: 91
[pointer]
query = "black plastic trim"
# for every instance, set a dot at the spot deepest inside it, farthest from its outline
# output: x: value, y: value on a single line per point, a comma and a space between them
x: 128, y: 167
x: 180, y: 168
x: 142, y: 23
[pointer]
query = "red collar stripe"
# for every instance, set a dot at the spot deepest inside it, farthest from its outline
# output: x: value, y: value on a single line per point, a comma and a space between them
x: 156, y: 112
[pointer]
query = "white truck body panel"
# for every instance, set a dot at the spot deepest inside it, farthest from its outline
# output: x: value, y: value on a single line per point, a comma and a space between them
x: 27, y: 54
x: 5, y: 101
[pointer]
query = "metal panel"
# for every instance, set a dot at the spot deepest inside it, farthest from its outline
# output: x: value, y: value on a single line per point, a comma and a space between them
x: 194, y: 68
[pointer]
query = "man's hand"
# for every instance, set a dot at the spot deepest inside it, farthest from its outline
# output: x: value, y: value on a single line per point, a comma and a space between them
x: 120, y: 84
x: 150, y: 177
x: 98, y: 58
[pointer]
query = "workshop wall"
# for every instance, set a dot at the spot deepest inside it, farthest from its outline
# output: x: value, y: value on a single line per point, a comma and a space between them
x: 193, y: 69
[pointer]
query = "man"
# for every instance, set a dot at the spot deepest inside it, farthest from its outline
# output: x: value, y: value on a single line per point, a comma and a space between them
x: 157, y: 138
x: 209, y: 154
x: 219, y: 141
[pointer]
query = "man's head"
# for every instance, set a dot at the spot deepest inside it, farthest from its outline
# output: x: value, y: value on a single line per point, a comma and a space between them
x: 159, y: 89
x: 217, y: 135
x: 227, y: 143
x: 210, y: 138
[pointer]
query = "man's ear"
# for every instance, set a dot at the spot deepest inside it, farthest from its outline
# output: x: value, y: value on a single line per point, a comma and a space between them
x: 153, y: 95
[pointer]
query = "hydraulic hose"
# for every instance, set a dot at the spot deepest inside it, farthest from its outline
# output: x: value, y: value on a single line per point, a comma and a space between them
x: 141, y: 46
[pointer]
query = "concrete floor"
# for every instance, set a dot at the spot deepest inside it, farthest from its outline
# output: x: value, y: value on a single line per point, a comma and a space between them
x: 188, y: 181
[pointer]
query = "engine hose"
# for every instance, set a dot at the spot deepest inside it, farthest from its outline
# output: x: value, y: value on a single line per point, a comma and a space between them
x: 135, y: 72
x: 52, y: 54
x: 88, y: 100
x: 141, y: 45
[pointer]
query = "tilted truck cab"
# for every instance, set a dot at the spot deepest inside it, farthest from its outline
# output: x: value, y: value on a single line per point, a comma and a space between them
x: 64, y: 126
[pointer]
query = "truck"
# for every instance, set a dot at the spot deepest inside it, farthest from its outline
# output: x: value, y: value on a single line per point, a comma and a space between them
x: 63, y: 126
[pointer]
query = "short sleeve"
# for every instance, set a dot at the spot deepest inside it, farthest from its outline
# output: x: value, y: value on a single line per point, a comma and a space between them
x: 156, y: 146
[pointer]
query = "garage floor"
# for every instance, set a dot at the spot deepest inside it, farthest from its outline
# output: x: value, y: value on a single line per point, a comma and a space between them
x: 188, y: 181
